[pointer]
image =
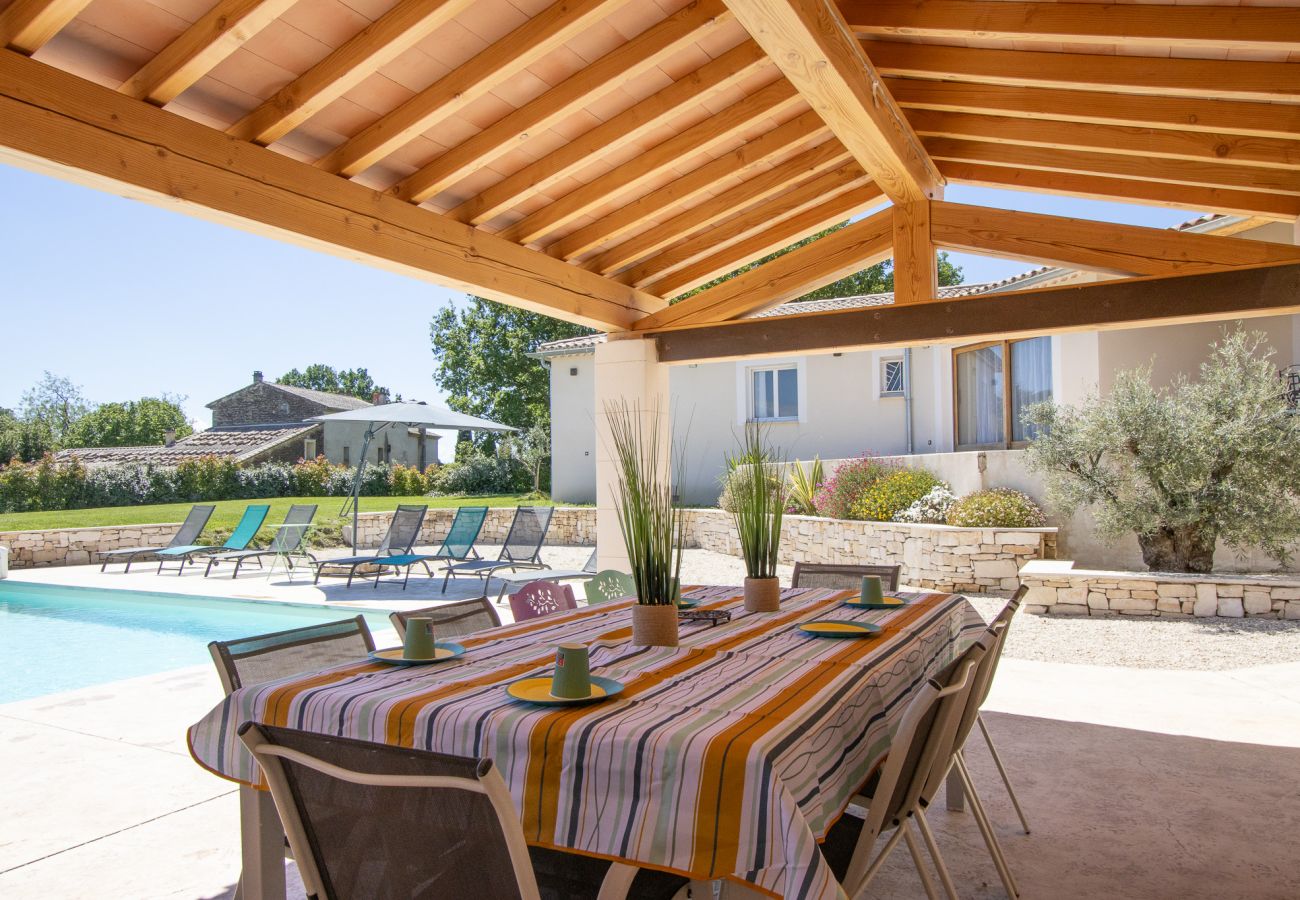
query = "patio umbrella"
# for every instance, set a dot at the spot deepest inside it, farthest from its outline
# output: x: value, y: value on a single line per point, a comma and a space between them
x: 411, y: 415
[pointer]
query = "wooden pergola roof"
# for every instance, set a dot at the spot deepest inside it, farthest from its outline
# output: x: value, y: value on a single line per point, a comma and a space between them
x: 593, y: 159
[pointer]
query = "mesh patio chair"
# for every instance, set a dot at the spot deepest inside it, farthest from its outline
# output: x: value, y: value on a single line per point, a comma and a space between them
x: 403, y: 530
x: 522, y: 549
x: 249, y: 524
x: 195, y: 521
x: 541, y: 598
x: 457, y: 546
x: 270, y: 657
x: 287, y: 543
x: 610, y: 584
x: 512, y: 579
x: 842, y: 577
x: 452, y: 619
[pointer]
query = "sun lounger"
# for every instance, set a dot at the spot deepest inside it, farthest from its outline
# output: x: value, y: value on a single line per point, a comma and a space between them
x: 457, y: 546
x: 249, y: 524
x: 186, y: 535
x: 522, y: 549
x: 287, y: 543
x: 400, y: 537
x: 511, y: 580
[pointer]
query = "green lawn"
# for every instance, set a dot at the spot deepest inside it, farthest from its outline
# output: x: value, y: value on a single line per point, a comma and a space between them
x: 229, y: 511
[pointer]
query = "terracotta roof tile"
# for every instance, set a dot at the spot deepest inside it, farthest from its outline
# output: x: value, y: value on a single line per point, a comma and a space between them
x: 240, y: 445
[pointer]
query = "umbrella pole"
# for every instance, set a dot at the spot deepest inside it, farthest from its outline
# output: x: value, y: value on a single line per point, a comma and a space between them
x: 356, y: 485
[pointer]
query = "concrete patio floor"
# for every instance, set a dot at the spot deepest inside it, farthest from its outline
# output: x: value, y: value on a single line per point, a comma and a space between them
x: 1139, y: 783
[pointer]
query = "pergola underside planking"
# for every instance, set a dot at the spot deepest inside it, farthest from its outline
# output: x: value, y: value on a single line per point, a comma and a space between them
x: 594, y: 159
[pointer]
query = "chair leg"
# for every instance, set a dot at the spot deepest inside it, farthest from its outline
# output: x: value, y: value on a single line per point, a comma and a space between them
x: 918, y: 860
x: 858, y: 885
x: 932, y: 845
x: 986, y: 831
x: 997, y: 761
x: 617, y: 882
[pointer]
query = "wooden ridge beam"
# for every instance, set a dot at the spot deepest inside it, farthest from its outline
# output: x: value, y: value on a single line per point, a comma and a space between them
x: 719, y: 128
x: 1227, y: 149
x: 1141, y: 25
x: 634, y: 122
x: 741, y: 247
x: 638, y: 55
x: 1130, y: 303
x: 380, y: 42
x: 1096, y: 246
x: 212, y: 37
x: 66, y: 126
x: 1210, y: 78
x: 1238, y: 117
x: 811, y: 44
x: 28, y: 25
x: 782, y: 139
x: 840, y: 253
x: 1155, y: 193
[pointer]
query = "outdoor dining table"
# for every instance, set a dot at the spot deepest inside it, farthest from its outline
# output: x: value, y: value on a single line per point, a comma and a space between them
x: 727, y: 757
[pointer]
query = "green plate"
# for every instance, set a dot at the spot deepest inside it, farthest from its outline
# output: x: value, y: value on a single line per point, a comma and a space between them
x: 443, y: 650
x: 538, y: 691
x: 687, y: 604
x: 886, y: 602
x: 838, y: 628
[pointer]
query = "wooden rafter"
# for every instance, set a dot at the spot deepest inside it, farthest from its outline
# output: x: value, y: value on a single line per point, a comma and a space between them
x: 833, y: 256
x: 722, y: 126
x: 632, y: 123
x: 810, y: 43
x: 215, y: 35
x: 783, y: 138
x: 638, y: 55
x: 1096, y: 246
x: 27, y: 25
x: 67, y: 126
x: 1236, y: 27
x: 1210, y: 78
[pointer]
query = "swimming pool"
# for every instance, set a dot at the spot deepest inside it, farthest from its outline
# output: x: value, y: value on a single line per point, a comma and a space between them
x: 55, y: 638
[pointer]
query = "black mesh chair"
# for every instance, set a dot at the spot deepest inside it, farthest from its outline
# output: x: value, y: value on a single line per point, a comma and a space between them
x: 269, y: 657
x: 842, y: 577
x: 451, y: 619
x: 522, y: 549
x: 403, y: 531
x: 186, y: 536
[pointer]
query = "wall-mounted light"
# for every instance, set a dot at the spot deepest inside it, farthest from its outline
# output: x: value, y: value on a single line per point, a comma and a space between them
x: 837, y: 354
x: 573, y: 370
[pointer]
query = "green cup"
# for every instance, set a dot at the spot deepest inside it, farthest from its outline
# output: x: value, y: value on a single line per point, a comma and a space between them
x: 419, y: 638
x: 572, y: 678
x: 872, y: 590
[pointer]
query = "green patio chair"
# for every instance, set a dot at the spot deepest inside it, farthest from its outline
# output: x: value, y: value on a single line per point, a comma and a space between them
x: 249, y: 524
x: 610, y: 584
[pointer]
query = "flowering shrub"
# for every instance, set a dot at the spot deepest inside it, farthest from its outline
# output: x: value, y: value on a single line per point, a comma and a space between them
x: 479, y: 474
x: 996, y: 508
x: 932, y: 509
x: 887, y: 496
x: 837, y: 495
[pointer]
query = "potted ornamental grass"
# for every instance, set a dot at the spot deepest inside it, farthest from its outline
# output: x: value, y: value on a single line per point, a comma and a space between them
x: 758, y: 497
x: 653, y: 526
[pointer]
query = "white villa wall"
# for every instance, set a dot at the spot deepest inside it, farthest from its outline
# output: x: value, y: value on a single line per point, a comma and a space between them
x: 573, y: 429
x: 405, y: 447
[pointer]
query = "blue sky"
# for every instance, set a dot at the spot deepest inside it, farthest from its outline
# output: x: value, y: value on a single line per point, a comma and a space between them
x: 128, y: 299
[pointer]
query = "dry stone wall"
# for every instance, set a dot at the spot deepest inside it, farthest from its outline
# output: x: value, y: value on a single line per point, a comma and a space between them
x: 80, y: 546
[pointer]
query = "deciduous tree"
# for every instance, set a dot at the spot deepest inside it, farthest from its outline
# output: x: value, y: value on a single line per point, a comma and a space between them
x: 320, y: 377
x: 131, y: 424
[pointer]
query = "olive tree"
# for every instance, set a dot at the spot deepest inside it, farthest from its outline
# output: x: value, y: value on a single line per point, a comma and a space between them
x: 1206, y: 460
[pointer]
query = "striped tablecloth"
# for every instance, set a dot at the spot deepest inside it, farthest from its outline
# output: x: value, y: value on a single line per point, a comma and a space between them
x: 726, y: 757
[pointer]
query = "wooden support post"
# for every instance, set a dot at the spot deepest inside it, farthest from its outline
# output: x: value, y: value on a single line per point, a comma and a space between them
x: 916, y: 277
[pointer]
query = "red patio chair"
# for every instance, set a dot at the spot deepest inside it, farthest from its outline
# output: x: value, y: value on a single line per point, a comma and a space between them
x: 541, y: 598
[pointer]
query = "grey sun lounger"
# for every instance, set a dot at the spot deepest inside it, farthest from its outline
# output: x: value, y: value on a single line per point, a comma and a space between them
x: 457, y: 546
x: 522, y: 549
x: 249, y: 524
x: 517, y: 579
x: 400, y: 537
x: 186, y: 535
x: 287, y: 543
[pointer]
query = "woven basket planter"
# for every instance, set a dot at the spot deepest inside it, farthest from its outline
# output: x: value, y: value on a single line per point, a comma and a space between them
x: 762, y: 595
x: 654, y: 626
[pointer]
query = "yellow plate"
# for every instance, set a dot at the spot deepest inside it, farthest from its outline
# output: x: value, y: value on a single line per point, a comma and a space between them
x: 835, y: 628
x: 538, y: 690
x: 885, y: 603
x: 441, y: 651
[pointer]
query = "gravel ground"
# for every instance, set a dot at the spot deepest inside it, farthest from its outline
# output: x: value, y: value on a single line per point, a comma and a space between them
x: 1130, y: 642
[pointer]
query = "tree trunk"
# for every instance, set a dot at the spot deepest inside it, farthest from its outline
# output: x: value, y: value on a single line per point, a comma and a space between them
x: 1186, y: 548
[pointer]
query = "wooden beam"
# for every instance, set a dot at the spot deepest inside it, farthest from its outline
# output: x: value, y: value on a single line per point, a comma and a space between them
x: 212, y: 37
x: 827, y: 259
x: 629, y: 125
x: 745, y: 248
x: 1227, y: 79
x: 721, y: 127
x: 28, y: 25
x: 1129, y: 25
x: 61, y: 124
x: 1151, y: 193
x: 1096, y: 246
x: 811, y: 44
x: 799, y: 130
x: 1228, y: 149
x: 1239, y: 117
x: 380, y: 42
x: 1132, y: 303
x: 638, y: 55
x: 916, y: 269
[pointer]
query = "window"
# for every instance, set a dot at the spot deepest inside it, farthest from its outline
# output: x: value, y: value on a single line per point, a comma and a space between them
x: 347, y: 455
x: 774, y: 394
x: 995, y: 383
x: 309, y: 448
x: 891, y: 378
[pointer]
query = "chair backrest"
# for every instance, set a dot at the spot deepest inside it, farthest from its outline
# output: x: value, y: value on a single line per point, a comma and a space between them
x: 269, y: 657
x: 527, y: 533
x: 1004, y: 618
x: 590, y: 564
x: 541, y: 598
x: 288, y: 540
x: 402, y: 530
x: 372, y: 821
x: 464, y: 532
x: 610, y: 584
x: 195, y: 521
x: 249, y: 524
x: 842, y: 577
x: 451, y: 619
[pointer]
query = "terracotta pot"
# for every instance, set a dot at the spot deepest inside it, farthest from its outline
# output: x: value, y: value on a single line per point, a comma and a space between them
x: 762, y: 595
x: 654, y: 626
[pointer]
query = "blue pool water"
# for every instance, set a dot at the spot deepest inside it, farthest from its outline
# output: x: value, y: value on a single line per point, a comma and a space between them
x: 61, y: 638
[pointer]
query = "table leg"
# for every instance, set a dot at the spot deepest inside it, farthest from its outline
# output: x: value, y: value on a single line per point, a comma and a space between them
x: 262, y: 842
x: 955, y: 792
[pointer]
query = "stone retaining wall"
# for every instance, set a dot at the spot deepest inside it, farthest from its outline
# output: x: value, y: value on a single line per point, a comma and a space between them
x: 80, y: 546
x: 1058, y: 588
